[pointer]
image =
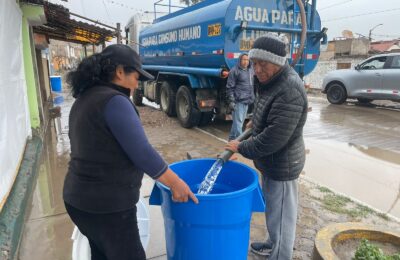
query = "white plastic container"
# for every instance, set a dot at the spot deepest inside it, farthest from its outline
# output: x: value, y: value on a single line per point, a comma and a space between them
x: 81, y: 248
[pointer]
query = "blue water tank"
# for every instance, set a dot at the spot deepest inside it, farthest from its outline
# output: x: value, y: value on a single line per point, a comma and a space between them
x: 56, y: 84
x: 213, y: 33
x: 219, y: 226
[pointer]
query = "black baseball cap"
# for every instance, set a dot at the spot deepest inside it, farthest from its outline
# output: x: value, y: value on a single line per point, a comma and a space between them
x: 120, y: 54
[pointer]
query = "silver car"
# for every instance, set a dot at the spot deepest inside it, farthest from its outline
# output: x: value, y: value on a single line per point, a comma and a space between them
x: 377, y: 77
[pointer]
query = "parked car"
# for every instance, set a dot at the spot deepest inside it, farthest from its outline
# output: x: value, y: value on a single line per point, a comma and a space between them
x: 376, y: 78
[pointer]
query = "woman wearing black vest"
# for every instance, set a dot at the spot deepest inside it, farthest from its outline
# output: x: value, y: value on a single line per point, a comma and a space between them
x: 110, y: 153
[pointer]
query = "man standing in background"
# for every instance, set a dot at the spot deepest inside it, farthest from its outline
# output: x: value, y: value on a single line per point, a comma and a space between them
x: 240, y: 93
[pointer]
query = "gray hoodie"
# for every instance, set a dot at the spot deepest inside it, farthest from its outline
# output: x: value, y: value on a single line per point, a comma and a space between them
x: 239, y: 88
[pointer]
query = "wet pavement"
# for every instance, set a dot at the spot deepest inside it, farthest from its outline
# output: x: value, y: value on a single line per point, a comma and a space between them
x: 48, y: 228
x: 331, y: 161
x: 353, y: 149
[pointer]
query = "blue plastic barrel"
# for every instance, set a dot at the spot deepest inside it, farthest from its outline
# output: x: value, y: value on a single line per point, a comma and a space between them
x: 219, y: 226
x: 55, y: 82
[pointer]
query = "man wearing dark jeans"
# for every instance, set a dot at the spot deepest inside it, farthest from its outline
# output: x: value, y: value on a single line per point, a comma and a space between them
x: 276, y: 145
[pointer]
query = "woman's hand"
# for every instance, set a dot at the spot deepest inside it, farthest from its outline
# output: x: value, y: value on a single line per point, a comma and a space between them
x: 179, y: 189
x: 181, y: 192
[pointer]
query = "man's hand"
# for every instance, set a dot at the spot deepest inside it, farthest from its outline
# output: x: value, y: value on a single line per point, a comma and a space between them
x: 232, y: 146
x: 249, y: 124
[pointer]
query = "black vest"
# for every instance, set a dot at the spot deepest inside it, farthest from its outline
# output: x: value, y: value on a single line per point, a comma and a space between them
x: 100, y: 178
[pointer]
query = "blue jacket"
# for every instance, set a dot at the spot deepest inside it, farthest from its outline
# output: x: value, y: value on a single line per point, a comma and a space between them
x: 239, y: 88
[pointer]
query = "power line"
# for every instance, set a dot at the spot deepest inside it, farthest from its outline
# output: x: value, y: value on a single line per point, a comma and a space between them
x: 364, y: 14
x: 387, y: 35
x: 124, y: 5
x: 334, y: 5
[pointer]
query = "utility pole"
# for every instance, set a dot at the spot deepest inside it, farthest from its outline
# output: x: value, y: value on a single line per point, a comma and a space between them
x: 119, y: 33
x: 370, y: 31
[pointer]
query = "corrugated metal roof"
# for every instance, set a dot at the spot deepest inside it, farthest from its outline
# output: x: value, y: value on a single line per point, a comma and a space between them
x: 60, y: 26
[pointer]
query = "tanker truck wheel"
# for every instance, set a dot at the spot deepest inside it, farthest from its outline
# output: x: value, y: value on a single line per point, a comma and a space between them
x: 138, y: 97
x: 167, y: 98
x: 186, y: 111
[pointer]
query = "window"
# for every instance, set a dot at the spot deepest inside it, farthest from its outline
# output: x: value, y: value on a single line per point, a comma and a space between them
x: 395, y: 62
x: 343, y: 65
x: 374, y: 64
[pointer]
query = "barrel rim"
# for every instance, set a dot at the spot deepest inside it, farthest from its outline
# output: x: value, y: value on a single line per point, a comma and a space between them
x: 227, y: 195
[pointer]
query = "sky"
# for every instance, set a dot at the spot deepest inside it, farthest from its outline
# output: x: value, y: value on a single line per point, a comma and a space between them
x: 357, y: 16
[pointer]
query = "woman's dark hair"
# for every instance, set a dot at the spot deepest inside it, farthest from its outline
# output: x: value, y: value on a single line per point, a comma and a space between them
x: 93, y: 70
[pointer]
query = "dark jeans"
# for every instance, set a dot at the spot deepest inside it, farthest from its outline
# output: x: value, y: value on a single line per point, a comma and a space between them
x: 111, y: 235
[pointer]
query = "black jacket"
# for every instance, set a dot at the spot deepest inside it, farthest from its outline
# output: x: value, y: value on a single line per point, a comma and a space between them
x: 280, y: 112
x: 239, y: 87
x: 101, y: 178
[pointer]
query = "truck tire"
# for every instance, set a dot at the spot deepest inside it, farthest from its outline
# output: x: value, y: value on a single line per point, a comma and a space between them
x: 167, y: 98
x: 188, y: 114
x: 138, y: 97
x: 336, y: 94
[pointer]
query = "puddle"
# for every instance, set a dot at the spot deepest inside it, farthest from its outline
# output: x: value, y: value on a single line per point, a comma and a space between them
x: 47, y: 220
x: 371, y: 175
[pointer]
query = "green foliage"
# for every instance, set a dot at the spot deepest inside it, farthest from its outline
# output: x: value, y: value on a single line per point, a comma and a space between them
x: 335, y: 203
x: 324, y: 189
x: 368, y: 251
x: 339, y: 204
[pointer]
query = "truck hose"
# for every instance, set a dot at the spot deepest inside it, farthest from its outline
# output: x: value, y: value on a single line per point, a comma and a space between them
x: 299, y: 53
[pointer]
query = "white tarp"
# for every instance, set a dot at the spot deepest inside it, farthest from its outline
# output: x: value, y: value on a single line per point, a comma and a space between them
x: 15, y: 125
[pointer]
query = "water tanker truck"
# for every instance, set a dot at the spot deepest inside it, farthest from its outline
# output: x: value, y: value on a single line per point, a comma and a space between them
x: 190, y: 51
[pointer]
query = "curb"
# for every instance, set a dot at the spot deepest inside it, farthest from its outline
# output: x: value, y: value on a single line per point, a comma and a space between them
x: 12, y: 216
x: 314, y: 91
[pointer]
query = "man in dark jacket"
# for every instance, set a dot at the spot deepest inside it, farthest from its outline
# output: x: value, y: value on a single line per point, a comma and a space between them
x: 276, y: 145
x: 240, y: 93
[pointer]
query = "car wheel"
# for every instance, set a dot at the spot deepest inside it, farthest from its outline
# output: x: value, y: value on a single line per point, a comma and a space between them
x: 336, y: 94
x: 364, y: 100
